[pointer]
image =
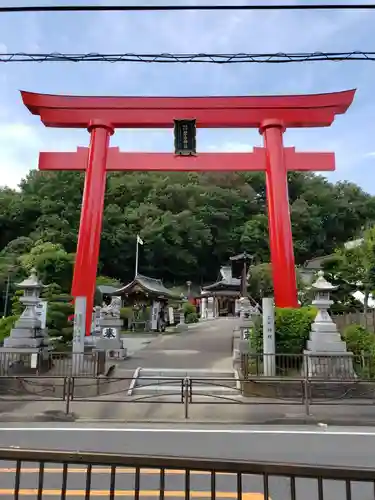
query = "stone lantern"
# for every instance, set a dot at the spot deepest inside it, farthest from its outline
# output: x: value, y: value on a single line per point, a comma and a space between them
x: 27, y: 347
x: 326, y: 354
x: 27, y: 332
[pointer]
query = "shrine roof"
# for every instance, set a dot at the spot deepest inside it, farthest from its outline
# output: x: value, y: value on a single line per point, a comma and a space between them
x: 107, y: 289
x: 316, y: 262
x: 223, y: 283
x: 151, y: 285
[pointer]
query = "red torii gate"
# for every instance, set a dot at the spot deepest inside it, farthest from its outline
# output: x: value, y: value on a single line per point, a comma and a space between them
x: 271, y: 115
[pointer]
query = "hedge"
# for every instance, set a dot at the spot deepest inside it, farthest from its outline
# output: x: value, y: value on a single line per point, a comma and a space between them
x: 190, y: 313
x: 6, y: 324
x: 361, y: 343
x: 292, y: 330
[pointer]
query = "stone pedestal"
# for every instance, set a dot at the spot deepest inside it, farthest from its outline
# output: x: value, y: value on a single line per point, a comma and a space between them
x: 246, y: 321
x: 329, y: 365
x: 110, y: 327
x: 182, y: 326
x: 110, y: 333
x: 326, y: 355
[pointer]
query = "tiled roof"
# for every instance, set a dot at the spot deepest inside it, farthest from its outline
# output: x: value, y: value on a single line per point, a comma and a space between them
x: 232, y: 282
x: 107, y: 289
x: 152, y: 285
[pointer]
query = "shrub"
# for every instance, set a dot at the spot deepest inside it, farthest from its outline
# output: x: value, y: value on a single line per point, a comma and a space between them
x: 6, y: 324
x: 359, y: 340
x: 292, y: 330
x: 190, y: 312
x: 126, y: 314
x: 191, y: 317
x: 17, y: 307
x: 59, y: 309
x: 361, y: 343
x: 188, y: 308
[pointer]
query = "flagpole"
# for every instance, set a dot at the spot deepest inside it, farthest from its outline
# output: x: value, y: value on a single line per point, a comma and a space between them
x: 136, y: 258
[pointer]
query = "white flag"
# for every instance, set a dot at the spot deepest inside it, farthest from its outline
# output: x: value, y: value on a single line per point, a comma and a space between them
x: 139, y: 240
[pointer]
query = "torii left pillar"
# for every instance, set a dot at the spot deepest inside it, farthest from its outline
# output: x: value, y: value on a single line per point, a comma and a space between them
x: 88, y: 245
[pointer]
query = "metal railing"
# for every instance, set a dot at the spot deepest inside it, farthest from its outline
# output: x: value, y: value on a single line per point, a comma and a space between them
x: 71, y: 395
x: 42, y: 473
x: 299, y: 380
x: 345, y: 366
x: 57, y: 364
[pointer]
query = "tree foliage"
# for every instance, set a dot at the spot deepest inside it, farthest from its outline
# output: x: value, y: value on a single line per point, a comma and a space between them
x: 190, y: 223
x: 353, y: 269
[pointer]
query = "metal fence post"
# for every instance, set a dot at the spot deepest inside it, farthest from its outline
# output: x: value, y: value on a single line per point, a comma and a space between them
x: 306, y: 385
x: 186, y: 389
x: 68, y: 395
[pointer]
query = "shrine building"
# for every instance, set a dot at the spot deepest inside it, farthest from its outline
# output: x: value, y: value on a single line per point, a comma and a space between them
x: 221, y: 298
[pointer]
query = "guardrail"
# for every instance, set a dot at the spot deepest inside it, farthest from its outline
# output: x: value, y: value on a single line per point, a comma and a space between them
x: 281, y: 379
x: 35, y: 474
x: 68, y: 393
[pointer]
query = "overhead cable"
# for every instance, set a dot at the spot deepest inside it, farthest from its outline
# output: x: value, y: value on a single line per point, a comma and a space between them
x: 209, y: 7
x: 168, y: 58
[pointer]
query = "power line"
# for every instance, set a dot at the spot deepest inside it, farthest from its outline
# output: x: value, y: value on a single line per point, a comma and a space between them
x: 143, y: 8
x: 271, y: 58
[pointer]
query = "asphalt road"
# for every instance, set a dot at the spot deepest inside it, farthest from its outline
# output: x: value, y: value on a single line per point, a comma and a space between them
x: 332, y: 446
x: 202, y: 346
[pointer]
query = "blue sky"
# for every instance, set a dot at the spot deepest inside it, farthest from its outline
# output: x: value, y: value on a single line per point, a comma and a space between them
x: 352, y: 135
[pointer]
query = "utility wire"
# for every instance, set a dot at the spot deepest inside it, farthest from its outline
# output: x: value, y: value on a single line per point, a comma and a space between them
x: 272, y: 58
x: 140, y: 8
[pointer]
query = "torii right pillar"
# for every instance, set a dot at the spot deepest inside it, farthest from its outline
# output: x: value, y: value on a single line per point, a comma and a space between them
x: 279, y: 222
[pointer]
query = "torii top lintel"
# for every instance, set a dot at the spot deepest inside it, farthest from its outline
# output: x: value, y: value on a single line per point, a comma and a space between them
x: 312, y: 110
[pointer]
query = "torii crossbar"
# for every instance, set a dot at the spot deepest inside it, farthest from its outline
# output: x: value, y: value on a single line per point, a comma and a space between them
x: 271, y: 115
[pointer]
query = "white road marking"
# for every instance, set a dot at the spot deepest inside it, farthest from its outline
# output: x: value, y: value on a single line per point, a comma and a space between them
x: 191, y: 431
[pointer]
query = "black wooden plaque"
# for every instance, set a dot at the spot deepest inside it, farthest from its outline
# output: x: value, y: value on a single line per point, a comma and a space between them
x: 185, y: 133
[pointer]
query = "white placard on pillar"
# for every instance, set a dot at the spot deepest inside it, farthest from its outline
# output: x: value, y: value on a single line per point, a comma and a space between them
x: 79, y: 324
x: 210, y: 308
x: 41, y: 312
x: 171, y: 315
x: 155, y: 314
x: 269, y: 341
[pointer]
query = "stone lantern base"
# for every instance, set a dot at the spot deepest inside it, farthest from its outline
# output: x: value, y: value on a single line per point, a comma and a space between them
x: 110, y: 333
x: 327, y: 365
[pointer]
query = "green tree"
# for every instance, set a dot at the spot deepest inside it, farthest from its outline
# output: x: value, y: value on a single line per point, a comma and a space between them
x: 356, y: 265
x: 60, y: 307
x: 191, y: 223
x: 52, y: 262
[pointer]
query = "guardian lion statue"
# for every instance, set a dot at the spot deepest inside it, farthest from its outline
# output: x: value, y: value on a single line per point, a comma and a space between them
x: 112, y: 310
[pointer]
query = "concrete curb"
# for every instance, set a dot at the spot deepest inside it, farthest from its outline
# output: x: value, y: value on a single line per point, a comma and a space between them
x: 302, y: 420
x: 48, y: 416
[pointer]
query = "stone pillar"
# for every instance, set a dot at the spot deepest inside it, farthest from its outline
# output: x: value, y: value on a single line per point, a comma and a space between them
x: 241, y: 342
x: 326, y: 355
x: 204, y: 308
x: 210, y: 308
